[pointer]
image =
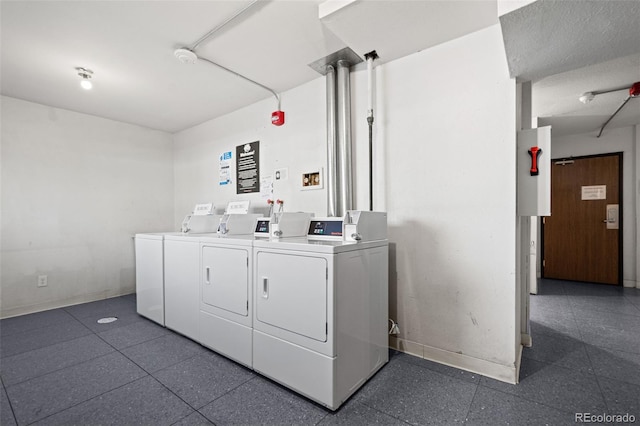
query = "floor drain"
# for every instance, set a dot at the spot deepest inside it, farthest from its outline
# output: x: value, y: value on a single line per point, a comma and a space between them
x: 107, y: 320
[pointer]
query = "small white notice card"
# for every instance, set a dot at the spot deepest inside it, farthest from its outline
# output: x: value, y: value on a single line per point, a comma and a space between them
x: 203, y: 209
x: 594, y: 192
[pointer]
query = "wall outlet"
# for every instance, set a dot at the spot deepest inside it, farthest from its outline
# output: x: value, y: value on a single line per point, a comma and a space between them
x: 42, y: 280
x: 282, y: 174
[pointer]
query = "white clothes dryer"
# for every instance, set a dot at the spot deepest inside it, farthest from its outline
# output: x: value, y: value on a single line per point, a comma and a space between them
x: 321, y: 311
x: 226, y: 300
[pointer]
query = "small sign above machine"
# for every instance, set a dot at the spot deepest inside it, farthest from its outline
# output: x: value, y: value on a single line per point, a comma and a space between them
x: 238, y: 207
x: 202, y: 220
x: 203, y: 209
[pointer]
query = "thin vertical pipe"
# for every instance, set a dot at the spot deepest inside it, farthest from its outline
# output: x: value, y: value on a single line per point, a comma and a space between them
x: 370, y: 123
x: 332, y: 148
x: 370, y: 57
x: 344, y: 137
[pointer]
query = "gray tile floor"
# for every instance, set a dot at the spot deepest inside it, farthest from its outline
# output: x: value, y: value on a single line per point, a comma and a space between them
x: 61, y: 367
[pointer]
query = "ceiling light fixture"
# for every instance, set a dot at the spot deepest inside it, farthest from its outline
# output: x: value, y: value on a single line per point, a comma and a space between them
x: 585, y: 98
x: 86, y: 75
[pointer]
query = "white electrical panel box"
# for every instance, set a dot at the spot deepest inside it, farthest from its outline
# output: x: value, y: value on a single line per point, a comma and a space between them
x: 533, y: 170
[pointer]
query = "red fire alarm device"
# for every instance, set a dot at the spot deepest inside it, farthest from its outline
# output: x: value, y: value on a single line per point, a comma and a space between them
x: 534, y: 152
x: 277, y: 118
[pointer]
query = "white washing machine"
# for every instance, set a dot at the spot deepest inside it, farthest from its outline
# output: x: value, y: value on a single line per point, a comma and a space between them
x: 321, y: 308
x: 150, y: 265
x: 182, y: 283
x: 150, y: 276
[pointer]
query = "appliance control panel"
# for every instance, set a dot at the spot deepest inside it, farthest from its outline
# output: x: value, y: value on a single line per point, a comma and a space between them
x: 262, y: 227
x: 328, y: 228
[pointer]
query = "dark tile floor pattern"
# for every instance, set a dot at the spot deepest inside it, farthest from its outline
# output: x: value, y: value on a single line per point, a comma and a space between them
x: 61, y: 367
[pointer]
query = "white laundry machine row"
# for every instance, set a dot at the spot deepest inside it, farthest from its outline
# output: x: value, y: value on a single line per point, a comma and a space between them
x: 309, y: 312
x: 321, y: 309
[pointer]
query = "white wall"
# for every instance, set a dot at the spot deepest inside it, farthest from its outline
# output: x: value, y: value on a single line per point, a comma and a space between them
x: 623, y: 140
x: 448, y: 127
x: 75, y: 188
x: 445, y: 151
x: 299, y: 146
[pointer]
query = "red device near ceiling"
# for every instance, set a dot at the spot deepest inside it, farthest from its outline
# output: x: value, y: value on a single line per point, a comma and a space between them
x: 277, y: 118
x: 634, y: 92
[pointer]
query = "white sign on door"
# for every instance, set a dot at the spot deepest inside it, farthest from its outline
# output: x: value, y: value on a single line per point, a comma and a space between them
x: 594, y: 192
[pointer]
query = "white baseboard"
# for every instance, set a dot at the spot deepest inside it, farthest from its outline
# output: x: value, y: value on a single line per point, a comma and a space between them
x: 30, y: 309
x: 504, y: 373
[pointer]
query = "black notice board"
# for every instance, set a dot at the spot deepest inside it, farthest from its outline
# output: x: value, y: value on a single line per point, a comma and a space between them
x: 248, y: 168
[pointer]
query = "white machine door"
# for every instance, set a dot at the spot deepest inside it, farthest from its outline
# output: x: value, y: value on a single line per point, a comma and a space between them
x: 225, y: 279
x: 291, y: 293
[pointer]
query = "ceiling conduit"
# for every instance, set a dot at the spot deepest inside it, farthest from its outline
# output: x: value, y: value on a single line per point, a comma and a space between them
x: 188, y: 54
x: 208, y: 35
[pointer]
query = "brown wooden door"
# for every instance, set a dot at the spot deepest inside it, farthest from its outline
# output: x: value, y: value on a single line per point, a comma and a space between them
x: 578, y: 242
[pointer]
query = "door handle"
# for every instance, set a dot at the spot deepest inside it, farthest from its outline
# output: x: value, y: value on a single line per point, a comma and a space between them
x: 612, y: 216
x: 207, y: 278
x: 265, y: 287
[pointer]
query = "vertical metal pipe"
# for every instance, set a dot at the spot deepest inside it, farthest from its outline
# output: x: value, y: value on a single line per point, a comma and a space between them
x: 370, y: 57
x: 344, y: 137
x: 332, y: 147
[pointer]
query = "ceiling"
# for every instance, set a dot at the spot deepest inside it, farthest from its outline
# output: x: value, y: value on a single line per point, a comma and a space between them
x: 568, y: 47
x: 130, y: 47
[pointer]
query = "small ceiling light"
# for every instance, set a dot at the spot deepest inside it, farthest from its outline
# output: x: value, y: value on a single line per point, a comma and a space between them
x: 587, y: 97
x: 86, y: 75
